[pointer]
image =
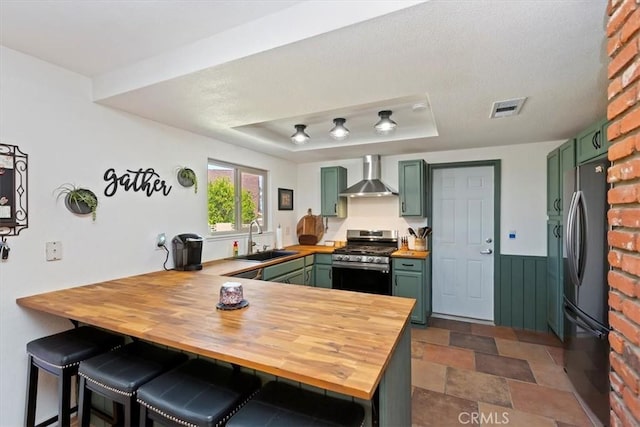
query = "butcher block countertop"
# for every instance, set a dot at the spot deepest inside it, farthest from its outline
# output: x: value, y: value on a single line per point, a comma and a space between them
x: 231, y: 266
x: 316, y: 249
x: 336, y: 340
x: 401, y: 253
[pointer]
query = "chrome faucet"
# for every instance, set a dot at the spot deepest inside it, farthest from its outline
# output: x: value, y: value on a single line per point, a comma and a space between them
x: 250, y: 242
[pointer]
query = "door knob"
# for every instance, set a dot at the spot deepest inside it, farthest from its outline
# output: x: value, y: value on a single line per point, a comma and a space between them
x: 489, y: 240
x: 487, y: 252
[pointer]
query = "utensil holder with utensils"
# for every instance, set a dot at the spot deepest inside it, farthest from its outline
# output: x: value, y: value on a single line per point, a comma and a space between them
x: 420, y: 238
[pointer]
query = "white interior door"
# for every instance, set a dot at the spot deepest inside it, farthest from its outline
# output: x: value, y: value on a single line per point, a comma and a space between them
x: 463, y: 234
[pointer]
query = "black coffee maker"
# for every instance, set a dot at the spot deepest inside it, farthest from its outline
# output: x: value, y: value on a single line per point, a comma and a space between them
x: 187, y: 252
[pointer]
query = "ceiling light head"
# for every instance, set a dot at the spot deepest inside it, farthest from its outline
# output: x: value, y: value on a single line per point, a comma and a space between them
x: 385, y: 125
x: 300, y: 136
x: 339, y: 131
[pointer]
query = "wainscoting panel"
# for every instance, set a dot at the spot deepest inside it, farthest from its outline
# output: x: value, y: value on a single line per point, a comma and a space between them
x: 522, y: 299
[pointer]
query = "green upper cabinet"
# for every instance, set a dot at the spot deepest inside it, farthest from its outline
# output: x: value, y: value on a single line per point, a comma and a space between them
x: 592, y: 142
x: 553, y: 189
x: 412, y: 180
x: 559, y: 161
x: 333, y: 181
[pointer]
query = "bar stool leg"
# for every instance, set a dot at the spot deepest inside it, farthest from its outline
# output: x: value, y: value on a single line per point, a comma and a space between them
x: 130, y: 418
x: 84, y: 405
x: 64, y: 393
x: 32, y: 394
x: 144, y: 419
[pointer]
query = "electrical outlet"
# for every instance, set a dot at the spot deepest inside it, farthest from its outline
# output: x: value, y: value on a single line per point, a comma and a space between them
x: 54, y: 251
x: 161, y: 240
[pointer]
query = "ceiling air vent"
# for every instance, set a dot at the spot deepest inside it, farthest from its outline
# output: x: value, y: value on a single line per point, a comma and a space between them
x: 507, y: 108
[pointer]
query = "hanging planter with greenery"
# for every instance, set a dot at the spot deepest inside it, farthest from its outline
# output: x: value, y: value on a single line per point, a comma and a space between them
x: 187, y: 178
x: 80, y: 201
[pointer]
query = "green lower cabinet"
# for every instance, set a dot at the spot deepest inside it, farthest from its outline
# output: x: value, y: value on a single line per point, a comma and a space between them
x: 409, y: 281
x: 322, y: 271
x: 322, y: 275
x: 274, y: 272
x: 309, y: 279
x: 555, y: 316
x: 308, y: 275
x: 293, y: 278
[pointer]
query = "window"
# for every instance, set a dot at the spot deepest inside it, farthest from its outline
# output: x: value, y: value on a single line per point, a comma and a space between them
x: 236, y: 196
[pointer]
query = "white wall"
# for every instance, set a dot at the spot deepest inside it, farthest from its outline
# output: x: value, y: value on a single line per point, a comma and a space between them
x: 48, y: 113
x: 523, y: 194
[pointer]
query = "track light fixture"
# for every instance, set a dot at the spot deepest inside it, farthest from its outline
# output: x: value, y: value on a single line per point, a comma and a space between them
x: 385, y: 125
x: 339, y: 131
x: 300, y: 136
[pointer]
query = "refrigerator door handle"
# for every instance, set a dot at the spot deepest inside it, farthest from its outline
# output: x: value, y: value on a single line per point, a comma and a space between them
x: 582, y: 236
x: 570, y: 240
x: 574, y: 317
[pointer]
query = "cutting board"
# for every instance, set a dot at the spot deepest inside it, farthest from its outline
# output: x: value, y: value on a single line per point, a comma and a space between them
x: 310, y: 229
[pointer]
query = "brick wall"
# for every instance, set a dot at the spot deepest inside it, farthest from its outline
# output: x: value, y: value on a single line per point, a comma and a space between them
x: 623, y: 45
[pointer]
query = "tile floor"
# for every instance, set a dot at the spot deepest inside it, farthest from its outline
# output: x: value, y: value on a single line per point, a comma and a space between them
x: 499, y: 376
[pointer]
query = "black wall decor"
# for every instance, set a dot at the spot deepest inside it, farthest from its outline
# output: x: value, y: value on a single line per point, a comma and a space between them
x: 14, y: 215
x: 145, y: 180
x: 285, y: 199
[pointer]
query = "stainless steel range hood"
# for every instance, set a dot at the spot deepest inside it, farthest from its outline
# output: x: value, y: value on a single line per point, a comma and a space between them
x: 370, y: 186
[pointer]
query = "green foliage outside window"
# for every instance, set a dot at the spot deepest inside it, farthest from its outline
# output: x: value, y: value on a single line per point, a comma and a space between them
x: 248, y: 207
x: 221, y: 202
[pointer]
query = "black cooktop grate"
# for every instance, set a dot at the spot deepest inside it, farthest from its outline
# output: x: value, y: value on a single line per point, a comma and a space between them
x: 366, y: 250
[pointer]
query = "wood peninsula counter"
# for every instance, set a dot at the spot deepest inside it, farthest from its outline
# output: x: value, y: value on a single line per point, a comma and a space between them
x: 346, y: 342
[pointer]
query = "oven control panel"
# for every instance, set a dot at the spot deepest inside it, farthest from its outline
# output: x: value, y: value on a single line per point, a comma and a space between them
x: 361, y: 258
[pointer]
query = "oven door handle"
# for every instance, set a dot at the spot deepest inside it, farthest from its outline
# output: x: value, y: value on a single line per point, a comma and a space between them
x: 384, y: 268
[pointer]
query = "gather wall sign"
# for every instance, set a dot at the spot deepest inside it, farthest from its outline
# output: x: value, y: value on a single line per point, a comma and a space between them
x: 142, y: 180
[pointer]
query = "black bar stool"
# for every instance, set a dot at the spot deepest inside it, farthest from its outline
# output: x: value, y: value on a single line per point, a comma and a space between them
x: 59, y: 355
x: 118, y: 374
x: 196, y: 394
x: 279, y: 404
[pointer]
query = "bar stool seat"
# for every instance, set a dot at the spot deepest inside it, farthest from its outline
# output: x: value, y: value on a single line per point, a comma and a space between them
x: 282, y: 404
x: 60, y: 355
x: 118, y: 375
x: 196, y: 394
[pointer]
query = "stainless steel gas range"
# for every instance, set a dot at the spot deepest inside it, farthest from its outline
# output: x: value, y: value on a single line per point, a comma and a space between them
x: 364, y: 264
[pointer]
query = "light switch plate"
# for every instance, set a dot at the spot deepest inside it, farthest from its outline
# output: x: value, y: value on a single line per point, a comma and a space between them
x: 54, y: 251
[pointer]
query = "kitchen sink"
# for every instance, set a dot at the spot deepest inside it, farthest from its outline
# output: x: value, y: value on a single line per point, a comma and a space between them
x: 266, y: 255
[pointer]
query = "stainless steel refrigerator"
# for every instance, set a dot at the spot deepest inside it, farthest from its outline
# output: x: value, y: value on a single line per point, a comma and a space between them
x: 585, y: 302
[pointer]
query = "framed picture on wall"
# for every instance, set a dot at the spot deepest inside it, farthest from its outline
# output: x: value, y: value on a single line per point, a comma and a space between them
x: 285, y: 199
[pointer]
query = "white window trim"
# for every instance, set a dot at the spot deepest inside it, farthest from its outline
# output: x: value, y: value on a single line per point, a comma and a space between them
x: 237, y: 174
